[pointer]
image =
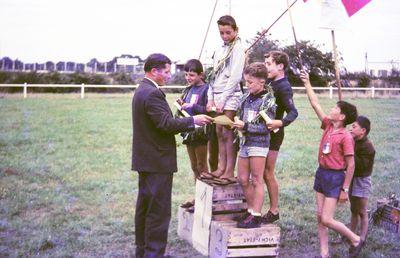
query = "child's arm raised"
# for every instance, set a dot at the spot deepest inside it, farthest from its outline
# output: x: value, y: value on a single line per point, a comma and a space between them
x: 311, y: 95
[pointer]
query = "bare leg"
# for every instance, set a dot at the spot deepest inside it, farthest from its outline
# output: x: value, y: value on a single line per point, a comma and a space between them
x: 327, y: 219
x: 355, y: 217
x: 360, y: 209
x: 257, y: 165
x: 322, y: 229
x: 271, y: 182
x: 201, y: 158
x: 243, y: 178
x: 229, y: 147
x: 193, y: 161
x: 213, y: 152
x: 221, y: 152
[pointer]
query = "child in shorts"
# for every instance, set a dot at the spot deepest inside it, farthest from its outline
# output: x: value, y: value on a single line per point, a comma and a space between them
x: 336, y: 168
x: 360, y: 188
x: 254, y: 141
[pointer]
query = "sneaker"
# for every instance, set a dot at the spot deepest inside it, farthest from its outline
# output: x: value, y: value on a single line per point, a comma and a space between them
x: 242, y: 217
x: 270, y: 217
x: 354, y: 251
x: 250, y: 222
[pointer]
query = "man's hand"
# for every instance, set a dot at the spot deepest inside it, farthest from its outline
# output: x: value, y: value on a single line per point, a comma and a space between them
x: 202, y: 119
x: 274, y: 124
x: 239, y: 124
x: 343, y: 197
x: 180, y: 101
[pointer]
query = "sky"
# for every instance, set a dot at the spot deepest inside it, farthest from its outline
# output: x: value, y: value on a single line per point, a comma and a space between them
x: 78, y: 30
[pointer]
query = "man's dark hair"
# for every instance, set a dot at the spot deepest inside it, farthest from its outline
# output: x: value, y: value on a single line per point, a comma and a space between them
x: 256, y: 69
x: 227, y: 20
x: 364, y: 122
x: 279, y: 57
x: 157, y: 61
x: 348, y: 110
x: 193, y: 65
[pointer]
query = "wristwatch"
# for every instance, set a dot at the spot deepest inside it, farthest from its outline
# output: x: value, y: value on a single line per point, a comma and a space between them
x: 346, y: 190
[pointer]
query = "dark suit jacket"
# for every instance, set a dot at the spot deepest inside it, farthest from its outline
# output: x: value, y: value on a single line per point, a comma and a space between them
x: 154, y: 129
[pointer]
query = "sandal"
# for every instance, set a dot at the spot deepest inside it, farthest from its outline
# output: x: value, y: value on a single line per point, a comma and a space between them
x: 187, y: 204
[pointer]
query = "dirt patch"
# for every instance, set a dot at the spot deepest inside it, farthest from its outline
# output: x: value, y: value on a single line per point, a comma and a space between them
x: 10, y: 172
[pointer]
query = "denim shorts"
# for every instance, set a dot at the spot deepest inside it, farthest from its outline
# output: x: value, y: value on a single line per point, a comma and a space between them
x: 249, y: 151
x: 361, y: 187
x: 329, y: 182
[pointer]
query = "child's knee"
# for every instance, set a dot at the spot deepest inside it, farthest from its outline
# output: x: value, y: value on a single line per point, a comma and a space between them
x: 257, y: 180
x: 243, y: 180
x: 326, y: 221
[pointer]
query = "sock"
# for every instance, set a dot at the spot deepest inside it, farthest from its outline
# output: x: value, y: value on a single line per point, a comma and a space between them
x: 250, y: 211
x: 256, y: 214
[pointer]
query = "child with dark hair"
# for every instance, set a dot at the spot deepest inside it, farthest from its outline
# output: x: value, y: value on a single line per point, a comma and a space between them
x: 277, y: 63
x: 360, y: 188
x: 224, y: 91
x: 336, y: 168
x: 194, y: 101
x: 254, y: 142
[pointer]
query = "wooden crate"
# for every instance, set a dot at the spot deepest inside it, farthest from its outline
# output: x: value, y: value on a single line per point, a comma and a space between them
x: 214, y: 202
x: 185, y: 224
x: 389, y: 216
x: 226, y: 240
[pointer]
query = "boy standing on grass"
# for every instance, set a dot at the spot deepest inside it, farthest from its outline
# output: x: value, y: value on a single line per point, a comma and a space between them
x: 277, y: 62
x: 360, y: 189
x: 254, y: 142
x: 336, y: 168
x: 224, y: 92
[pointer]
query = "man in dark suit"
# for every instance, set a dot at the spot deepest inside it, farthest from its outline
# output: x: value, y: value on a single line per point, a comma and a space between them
x: 154, y: 156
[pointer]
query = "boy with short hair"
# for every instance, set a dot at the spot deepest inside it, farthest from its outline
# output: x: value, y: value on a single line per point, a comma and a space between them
x: 254, y: 142
x: 224, y: 92
x: 336, y: 168
x: 360, y: 189
x: 277, y: 62
x: 194, y: 101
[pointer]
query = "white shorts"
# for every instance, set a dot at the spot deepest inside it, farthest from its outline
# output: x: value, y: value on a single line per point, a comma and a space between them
x: 232, y: 103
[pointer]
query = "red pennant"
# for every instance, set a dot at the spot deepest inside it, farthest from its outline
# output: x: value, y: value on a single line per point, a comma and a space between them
x: 353, y: 6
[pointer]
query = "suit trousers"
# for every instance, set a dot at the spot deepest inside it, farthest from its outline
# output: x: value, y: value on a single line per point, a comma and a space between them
x: 153, y: 214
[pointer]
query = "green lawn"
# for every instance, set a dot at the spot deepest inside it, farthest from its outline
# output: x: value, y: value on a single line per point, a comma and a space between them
x: 66, y: 189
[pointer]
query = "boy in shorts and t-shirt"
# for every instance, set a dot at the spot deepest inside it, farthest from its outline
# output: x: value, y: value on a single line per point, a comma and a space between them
x: 360, y: 188
x: 336, y: 168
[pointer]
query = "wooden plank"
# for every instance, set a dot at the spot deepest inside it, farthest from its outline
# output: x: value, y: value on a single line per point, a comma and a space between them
x: 185, y: 224
x: 228, y: 192
x: 218, y: 239
x: 252, y: 252
x: 227, y: 217
x: 202, y: 217
x: 217, y: 207
x: 226, y: 240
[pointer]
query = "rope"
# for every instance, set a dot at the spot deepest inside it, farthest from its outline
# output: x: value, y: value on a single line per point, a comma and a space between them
x: 208, y: 28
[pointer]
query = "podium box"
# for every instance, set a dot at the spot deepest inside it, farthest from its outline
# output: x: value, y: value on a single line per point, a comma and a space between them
x: 226, y: 240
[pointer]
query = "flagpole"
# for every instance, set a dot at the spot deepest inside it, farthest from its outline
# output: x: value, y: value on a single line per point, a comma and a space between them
x: 337, y: 73
x: 294, y: 35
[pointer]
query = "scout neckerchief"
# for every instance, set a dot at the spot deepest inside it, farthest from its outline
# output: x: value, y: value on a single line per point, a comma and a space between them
x: 221, y: 63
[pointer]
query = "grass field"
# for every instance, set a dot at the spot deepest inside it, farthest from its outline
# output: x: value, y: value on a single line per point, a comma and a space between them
x: 66, y: 189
